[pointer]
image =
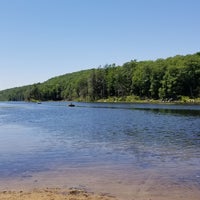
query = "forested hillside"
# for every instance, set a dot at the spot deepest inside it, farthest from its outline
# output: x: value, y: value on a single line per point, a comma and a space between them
x: 172, y: 78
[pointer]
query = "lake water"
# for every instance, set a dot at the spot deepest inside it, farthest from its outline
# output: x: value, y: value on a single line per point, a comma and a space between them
x: 111, y: 145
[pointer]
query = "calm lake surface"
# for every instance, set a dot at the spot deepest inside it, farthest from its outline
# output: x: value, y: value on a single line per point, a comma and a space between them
x: 132, y: 137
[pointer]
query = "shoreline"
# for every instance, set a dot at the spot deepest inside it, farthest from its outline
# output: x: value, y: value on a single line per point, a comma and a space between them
x: 127, y: 99
x: 195, y: 101
x: 97, y: 184
x: 53, y: 194
x: 59, y: 193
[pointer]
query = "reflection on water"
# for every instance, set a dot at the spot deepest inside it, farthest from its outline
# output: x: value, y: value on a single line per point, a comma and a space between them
x: 183, y: 112
x: 42, y: 137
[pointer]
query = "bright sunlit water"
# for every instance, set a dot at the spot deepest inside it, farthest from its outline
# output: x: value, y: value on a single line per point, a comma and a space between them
x: 41, y: 137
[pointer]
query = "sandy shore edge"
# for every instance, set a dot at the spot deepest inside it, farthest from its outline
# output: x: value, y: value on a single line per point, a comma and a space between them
x: 53, y: 194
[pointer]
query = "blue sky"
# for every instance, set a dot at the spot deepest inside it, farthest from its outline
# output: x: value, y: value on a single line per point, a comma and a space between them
x: 40, y: 39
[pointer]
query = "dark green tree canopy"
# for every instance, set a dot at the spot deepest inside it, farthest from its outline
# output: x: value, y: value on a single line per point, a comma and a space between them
x: 168, y: 78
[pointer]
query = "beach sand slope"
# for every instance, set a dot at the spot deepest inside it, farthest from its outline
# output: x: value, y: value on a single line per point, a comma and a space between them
x: 53, y: 194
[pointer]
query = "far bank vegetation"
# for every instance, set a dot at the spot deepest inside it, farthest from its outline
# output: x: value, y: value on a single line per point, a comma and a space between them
x: 173, y: 79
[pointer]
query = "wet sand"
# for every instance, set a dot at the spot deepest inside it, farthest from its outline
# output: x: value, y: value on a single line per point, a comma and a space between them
x: 96, y: 183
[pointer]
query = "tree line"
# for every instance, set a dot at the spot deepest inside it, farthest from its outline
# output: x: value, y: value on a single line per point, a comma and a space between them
x: 170, y: 78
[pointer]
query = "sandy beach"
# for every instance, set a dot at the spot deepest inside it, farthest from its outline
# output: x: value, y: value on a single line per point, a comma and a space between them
x: 52, y: 194
x: 78, y: 194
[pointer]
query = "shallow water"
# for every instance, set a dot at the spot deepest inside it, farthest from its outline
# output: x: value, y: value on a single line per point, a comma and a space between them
x: 129, y: 141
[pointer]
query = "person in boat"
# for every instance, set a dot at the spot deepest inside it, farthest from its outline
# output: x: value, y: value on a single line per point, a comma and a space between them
x: 71, y: 105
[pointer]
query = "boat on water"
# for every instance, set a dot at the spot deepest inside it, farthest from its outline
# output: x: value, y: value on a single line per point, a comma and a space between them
x: 71, y: 105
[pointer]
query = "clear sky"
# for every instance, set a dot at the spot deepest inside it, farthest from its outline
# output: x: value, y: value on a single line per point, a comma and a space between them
x: 40, y: 39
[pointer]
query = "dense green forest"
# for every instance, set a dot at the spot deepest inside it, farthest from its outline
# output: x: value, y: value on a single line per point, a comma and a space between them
x: 173, y: 78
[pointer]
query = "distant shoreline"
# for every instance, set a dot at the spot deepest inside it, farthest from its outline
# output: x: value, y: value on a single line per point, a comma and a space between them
x: 188, y: 101
x: 119, y: 100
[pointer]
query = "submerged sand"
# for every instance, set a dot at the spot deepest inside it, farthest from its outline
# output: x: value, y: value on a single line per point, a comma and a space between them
x: 101, y: 182
x: 93, y: 185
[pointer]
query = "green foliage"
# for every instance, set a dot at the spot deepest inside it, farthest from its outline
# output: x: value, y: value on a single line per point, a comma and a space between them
x: 170, y: 78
